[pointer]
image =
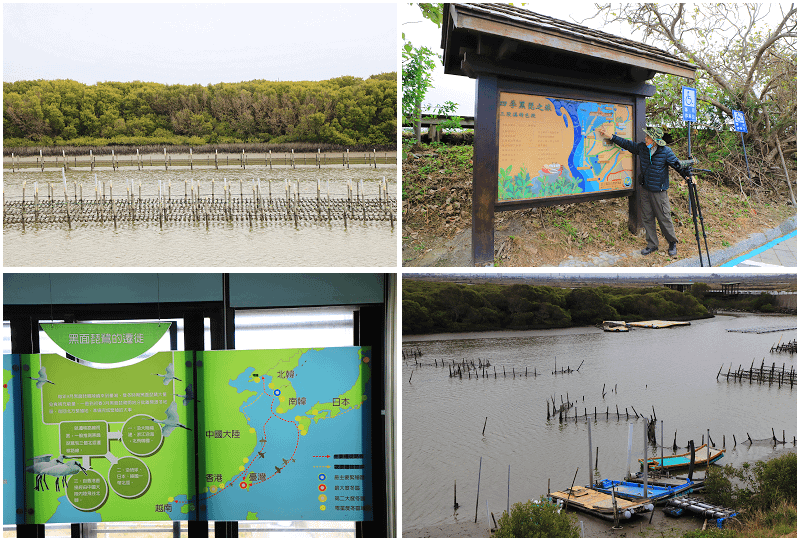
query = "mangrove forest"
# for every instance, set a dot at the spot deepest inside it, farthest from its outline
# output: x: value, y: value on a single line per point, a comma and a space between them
x: 345, y: 111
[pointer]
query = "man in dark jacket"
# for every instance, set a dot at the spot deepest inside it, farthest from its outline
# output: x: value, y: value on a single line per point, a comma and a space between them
x: 654, y: 156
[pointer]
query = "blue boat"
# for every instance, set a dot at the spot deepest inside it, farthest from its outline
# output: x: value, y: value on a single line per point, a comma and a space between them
x: 628, y: 489
x: 683, y: 461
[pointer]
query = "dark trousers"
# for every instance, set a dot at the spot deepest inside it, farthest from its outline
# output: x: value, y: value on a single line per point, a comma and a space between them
x: 655, y: 206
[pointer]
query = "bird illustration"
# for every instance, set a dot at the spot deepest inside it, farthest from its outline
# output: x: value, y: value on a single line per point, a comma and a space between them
x: 171, y: 422
x: 277, y: 469
x: 189, y: 394
x: 62, y: 469
x: 169, y: 374
x: 42, y: 379
x: 40, y: 464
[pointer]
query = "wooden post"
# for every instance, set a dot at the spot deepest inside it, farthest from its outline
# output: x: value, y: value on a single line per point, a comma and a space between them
x: 23, y: 205
x: 630, y: 448
x: 644, y: 469
x: 591, y: 474
x: 508, y: 495
x: 484, y: 181
x: 477, y: 499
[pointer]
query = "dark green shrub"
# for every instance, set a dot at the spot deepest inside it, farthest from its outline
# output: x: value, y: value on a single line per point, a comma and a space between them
x: 537, y: 520
x: 755, y: 487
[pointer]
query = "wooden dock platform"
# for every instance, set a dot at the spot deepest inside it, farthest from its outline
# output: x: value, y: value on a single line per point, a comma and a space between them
x: 658, y: 324
x: 600, y: 504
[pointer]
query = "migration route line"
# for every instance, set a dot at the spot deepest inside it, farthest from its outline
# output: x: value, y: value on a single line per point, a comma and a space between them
x: 244, y: 484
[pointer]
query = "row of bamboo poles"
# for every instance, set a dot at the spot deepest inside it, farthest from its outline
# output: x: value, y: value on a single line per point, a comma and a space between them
x: 198, y: 207
x: 789, y: 347
x: 414, y: 352
x: 241, y: 160
x: 761, y: 375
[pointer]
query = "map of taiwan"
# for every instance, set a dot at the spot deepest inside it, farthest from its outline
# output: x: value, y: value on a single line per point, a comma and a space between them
x: 548, y: 147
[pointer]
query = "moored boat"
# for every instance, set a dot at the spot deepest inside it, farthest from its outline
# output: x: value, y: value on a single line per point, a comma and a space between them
x: 630, y: 490
x: 615, y: 326
x: 703, y: 455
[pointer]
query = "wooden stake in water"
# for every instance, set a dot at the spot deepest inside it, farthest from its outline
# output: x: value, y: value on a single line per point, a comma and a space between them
x: 508, y: 494
x: 644, y: 469
x: 589, y: 428
x: 630, y: 448
x: 477, y: 498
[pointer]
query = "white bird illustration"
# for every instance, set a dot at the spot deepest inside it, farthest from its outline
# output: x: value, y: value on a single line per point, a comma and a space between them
x: 169, y: 375
x: 189, y: 395
x: 62, y: 469
x: 40, y: 464
x: 42, y: 379
x: 171, y: 422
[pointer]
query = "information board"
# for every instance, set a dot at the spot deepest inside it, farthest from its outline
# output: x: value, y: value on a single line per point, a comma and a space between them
x: 108, y: 443
x: 279, y: 435
x: 286, y: 434
x: 12, y: 433
x: 549, y: 147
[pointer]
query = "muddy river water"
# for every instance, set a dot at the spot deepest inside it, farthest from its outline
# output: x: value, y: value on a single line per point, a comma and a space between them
x: 670, y: 371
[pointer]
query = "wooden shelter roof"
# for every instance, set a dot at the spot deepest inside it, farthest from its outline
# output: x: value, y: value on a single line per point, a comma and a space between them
x: 501, y: 33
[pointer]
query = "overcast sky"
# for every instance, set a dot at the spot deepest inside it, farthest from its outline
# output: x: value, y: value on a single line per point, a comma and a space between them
x: 198, y: 43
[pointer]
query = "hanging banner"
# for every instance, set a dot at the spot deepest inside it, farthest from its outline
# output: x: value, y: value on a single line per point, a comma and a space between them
x: 12, y: 434
x: 279, y: 435
x: 106, y: 342
x: 549, y: 147
x: 108, y: 444
x: 285, y: 434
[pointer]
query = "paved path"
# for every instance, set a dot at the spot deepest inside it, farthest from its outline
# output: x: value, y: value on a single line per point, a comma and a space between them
x: 775, y: 247
x: 780, y: 252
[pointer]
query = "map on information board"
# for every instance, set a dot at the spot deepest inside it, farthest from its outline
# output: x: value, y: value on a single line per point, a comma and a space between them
x: 284, y: 434
x: 279, y: 435
x: 549, y: 147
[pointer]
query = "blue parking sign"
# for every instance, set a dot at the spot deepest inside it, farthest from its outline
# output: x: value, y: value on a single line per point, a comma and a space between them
x: 739, y: 124
x: 689, y: 96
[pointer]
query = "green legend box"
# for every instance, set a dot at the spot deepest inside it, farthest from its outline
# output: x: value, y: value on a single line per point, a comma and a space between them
x: 84, y: 438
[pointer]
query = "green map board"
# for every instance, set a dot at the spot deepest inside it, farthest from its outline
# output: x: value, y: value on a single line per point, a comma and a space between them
x: 93, y: 428
x: 281, y: 435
